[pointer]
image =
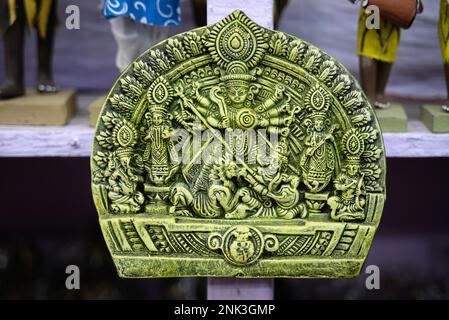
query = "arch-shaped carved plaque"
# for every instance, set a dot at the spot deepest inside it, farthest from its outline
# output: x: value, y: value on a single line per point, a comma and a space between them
x: 233, y: 150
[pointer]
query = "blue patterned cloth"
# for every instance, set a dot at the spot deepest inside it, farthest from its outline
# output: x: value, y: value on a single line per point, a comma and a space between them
x: 152, y: 12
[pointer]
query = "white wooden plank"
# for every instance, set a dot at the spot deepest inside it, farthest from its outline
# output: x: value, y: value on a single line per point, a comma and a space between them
x: 75, y: 139
x: 71, y: 140
x: 239, y: 289
x: 260, y: 11
x: 419, y: 142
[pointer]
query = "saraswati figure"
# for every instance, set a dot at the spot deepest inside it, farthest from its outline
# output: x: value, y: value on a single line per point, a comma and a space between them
x: 318, y: 159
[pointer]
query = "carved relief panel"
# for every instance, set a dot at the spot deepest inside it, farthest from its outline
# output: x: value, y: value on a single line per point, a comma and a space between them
x: 234, y: 150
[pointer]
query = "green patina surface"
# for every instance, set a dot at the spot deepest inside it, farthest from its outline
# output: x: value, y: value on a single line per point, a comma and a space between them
x: 393, y: 119
x: 237, y: 151
x: 435, y: 118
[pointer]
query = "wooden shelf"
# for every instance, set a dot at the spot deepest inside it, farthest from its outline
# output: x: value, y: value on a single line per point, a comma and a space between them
x: 75, y: 139
x: 72, y: 140
x: 419, y: 142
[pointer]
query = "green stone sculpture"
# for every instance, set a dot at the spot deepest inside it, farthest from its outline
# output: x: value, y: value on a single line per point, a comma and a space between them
x: 237, y: 151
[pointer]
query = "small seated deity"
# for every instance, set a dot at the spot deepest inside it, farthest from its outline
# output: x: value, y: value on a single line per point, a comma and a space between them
x: 349, y: 201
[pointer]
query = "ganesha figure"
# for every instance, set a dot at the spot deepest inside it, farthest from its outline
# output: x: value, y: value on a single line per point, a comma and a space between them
x: 122, y: 186
x: 120, y: 168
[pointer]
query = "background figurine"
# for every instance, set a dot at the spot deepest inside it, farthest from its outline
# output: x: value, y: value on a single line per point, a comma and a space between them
x: 377, y: 51
x: 377, y: 48
x: 435, y: 117
x: 443, y: 32
x: 15, y: 17
x: 138, y: 25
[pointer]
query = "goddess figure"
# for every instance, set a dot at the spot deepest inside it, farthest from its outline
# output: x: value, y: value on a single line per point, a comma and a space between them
x: 232, y: 104
x: 160, y: 158
x: 318, y: 158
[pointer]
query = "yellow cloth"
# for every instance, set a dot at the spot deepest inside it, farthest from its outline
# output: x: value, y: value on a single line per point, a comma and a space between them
x: 35, y: 16
x: 380, y: 44
x: 443, y: 30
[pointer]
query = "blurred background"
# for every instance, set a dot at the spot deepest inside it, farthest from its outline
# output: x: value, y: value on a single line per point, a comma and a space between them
x: 48, y: 220
x: 84, y: 58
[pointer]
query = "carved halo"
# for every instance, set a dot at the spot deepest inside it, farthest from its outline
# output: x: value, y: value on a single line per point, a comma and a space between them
x: 353, y: 145
x: 160, y: 92
x: 317, y: 101
x: 237, y: 37
x: 124, y: 134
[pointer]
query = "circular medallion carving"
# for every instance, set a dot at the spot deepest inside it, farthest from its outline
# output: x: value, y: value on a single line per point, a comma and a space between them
x: 242, y: 245
x: 246, y: 118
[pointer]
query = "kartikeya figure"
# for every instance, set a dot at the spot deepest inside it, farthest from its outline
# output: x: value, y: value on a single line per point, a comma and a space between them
x: 350, y: 194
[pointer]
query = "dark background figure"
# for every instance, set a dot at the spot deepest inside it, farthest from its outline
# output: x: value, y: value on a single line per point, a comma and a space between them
x: 15, y: 17
x: 377, y: 48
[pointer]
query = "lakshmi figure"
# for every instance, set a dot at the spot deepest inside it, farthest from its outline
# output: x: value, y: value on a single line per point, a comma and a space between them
x: 160, y: 157
x: 349, y: 202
